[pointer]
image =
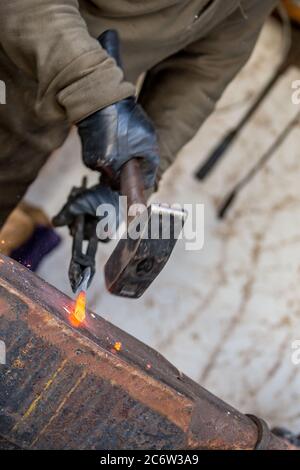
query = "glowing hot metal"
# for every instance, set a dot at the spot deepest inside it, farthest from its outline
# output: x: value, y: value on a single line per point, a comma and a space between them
x: 78, y: 314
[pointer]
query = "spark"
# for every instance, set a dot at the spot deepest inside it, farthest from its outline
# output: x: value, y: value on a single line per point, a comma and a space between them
x: 78, y: 314
x: 118, y: 346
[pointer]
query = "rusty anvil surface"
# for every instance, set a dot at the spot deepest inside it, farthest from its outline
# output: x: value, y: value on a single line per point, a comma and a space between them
x: 67, y: 388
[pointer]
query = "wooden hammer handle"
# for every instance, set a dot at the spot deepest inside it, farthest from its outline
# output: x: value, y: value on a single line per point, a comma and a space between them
x: 132, y: 183
x: 131, y: 178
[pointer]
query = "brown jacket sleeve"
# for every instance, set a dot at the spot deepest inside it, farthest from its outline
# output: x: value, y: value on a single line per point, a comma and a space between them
x: 181, y: 92
x: 49, y: 40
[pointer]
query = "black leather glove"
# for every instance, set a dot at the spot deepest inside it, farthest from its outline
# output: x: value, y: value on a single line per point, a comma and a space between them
x: 114, y: 135
x: 86, y: 203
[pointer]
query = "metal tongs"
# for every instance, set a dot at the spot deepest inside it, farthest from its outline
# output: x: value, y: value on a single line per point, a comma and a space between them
x: 83, y: 229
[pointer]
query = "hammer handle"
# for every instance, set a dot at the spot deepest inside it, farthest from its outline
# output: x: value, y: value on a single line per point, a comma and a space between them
x: 132, y: 183
x: 131, y: 178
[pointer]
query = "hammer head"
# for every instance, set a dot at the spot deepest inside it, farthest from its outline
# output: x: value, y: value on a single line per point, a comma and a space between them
x: 144, y: 250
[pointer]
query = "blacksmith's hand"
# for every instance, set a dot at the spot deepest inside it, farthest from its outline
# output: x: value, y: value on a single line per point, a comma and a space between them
x: 98, y: 204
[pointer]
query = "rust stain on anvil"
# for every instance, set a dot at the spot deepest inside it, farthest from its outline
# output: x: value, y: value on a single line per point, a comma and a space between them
x: 66, y: 388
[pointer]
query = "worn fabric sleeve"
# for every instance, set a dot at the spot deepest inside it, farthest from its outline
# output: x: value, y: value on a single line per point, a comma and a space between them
x: 181, y: 92
x: 49, y: 40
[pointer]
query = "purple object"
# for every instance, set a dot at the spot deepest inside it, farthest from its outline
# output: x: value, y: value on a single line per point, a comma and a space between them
x: 41, y: 243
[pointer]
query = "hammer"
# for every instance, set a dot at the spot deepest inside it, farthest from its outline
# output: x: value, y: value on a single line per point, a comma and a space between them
x: 137, y: 260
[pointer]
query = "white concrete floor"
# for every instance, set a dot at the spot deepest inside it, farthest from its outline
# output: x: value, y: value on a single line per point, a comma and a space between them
x: 225, y: 315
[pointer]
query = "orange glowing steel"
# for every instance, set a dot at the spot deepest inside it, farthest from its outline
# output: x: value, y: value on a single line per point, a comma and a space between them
x: 118, y: 346
x: 78, y: 314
